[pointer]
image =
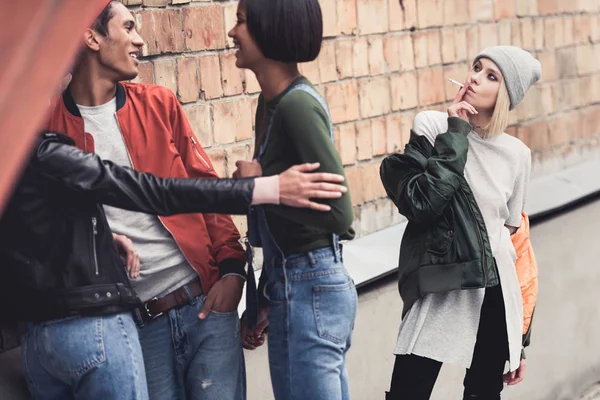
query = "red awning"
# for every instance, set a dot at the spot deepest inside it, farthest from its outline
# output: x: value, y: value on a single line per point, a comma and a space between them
x: 38, y: 41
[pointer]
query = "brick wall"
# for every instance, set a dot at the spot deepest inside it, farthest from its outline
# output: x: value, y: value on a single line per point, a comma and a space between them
x: 378, y: 67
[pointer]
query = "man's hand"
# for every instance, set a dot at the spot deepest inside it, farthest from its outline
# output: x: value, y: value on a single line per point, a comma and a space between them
x: 224, y: 296
x: 247, y: 169
x: 512, y: 378
x: 256, y: 337
x: 129, y: 256
x: 297, y: 185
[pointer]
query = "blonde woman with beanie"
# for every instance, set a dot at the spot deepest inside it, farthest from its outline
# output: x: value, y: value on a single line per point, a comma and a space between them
x: 461, y: 183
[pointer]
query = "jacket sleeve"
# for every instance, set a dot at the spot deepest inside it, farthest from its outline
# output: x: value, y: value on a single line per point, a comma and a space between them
x: 223, y: 233
x: 421, y: 185
x: 86, y: 175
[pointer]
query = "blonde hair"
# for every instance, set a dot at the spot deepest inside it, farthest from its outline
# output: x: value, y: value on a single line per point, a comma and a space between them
x: 499, y: 120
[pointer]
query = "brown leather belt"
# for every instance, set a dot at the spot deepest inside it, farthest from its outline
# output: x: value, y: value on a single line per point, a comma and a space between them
x: 156, y: 307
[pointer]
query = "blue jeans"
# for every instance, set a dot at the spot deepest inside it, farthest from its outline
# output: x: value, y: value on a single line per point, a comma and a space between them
x: 312, y: 306
x: 85, y: 358
x: 189, y: 358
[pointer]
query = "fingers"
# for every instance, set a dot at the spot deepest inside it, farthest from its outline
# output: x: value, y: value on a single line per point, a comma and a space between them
x: 326, y: 177
x: 316, y: 206
x: 208, y: 305
x: 460, y: 94
x: 135, y: 270
x: 306, y: 167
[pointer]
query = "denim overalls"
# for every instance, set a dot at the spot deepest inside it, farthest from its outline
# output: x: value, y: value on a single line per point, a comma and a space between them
x: 312, y: 306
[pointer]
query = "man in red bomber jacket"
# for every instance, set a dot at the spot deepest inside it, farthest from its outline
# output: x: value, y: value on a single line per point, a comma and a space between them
x: 192, y: 266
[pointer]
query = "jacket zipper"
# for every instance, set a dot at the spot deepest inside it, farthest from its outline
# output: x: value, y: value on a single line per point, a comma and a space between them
x: 480, y: 237
x: 159, y: 219
x: 94, y: 234
x: 195, y: 147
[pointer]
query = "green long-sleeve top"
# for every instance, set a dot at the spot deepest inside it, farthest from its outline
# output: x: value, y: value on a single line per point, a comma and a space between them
x: 300, y: 134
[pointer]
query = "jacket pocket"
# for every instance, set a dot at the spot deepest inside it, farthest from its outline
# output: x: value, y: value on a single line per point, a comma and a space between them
x: 440, y: 237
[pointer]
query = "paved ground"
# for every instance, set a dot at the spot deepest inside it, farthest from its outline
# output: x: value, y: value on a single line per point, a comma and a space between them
x: 563, y: 361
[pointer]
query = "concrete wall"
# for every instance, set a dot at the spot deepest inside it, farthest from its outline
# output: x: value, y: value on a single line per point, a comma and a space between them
x: 378, y: 67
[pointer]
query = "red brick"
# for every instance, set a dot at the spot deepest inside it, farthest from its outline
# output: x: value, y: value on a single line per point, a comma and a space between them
x: 188, y: 85
x: 165, y: 73
x: 217, y: 159
x: 355, y: 185
x: 549, y: 69
x: 585, y: 60
x: 391, y: 53
x: 131, y: 2
x: 566, y: 61
x: 204, y: 27
x: 364, y: 140
x: 361, y: 57
x: 515, y: 34
x: 586, y: 85
x: 232, y: 121
x: 434, y: 46
x: 404, y: 91
x: 552, y: 33
x: 329, y: 12
x: 210, y: 76
x: 567, y: 29
x: 327, y: 62
x: 582, y: 29
x: 374, y: 97
x: 370, y: 15
x: 344, y: 57
x: 376, y: 61
x: 156, y: 3
x: 180, y: 1
x: 527, y: 34
x: 526, y: 8
x: 250, y: 83
x: 547, y: 7
x: 342, y: 98
x: 347, y: 143
x: 534, y: 134
x: 231, y: 76
x: 431, y: 86
x: 457, y: 72
x: 347, y: 19
x: 482, y: 10
x: 473, y: 47
x: 448, y: 46
x: 402, y: 19
x: 427, y: 48
x: 398, y: 131
x: 538, y: 34
x: 504, y: 33
x: 311, y: 71
x: 456, y: 12
x: 504, y: 9
x: 372, y: 182
x: 429, y: 13
x: 595, y: 28
x: 145, y: 73
x: 230, y: 20
x: 558, y: 132
x: 488, y: 35
x: 199, y: 117
x: 595, y: 88
x: 379, y: 134
x: 161, y: 30
x: 406, y: 52
x: 460, y: 44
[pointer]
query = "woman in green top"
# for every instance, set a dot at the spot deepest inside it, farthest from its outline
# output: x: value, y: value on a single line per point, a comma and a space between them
x: 309, y: 299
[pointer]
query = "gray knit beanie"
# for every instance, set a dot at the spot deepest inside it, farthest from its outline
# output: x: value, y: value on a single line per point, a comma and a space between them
x: 519, y: 69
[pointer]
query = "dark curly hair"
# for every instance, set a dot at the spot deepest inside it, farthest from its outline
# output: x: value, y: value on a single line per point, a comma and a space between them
x: 100, y: 25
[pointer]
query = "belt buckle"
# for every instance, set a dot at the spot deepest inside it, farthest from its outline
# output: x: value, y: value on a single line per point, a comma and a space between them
x: 148, y: 313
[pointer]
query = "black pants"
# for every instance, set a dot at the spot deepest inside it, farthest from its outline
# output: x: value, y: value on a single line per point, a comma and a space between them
x: 414, y: 377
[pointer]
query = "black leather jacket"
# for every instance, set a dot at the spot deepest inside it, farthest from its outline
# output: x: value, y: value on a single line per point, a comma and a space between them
x: 57, y: 254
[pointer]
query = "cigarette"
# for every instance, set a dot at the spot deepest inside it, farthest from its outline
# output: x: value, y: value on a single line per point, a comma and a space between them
x: 456, y: 82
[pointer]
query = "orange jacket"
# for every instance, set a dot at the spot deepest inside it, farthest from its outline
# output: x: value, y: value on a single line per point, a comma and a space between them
x: 527, y: 272
x: 160, y: 140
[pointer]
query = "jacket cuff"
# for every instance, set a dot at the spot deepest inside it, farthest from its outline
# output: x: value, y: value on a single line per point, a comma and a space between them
x: 456, y: 124
x: 266, y: 190
x: 523, y: 354
x: 233, y: 266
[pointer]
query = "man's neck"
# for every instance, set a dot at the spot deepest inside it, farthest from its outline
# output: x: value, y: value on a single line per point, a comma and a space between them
x: 88, y: 89
x: 274, y: 78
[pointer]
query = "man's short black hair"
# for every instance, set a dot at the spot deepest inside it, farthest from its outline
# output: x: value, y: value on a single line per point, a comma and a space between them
x: 100, y: 25
x: 286, y: 30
